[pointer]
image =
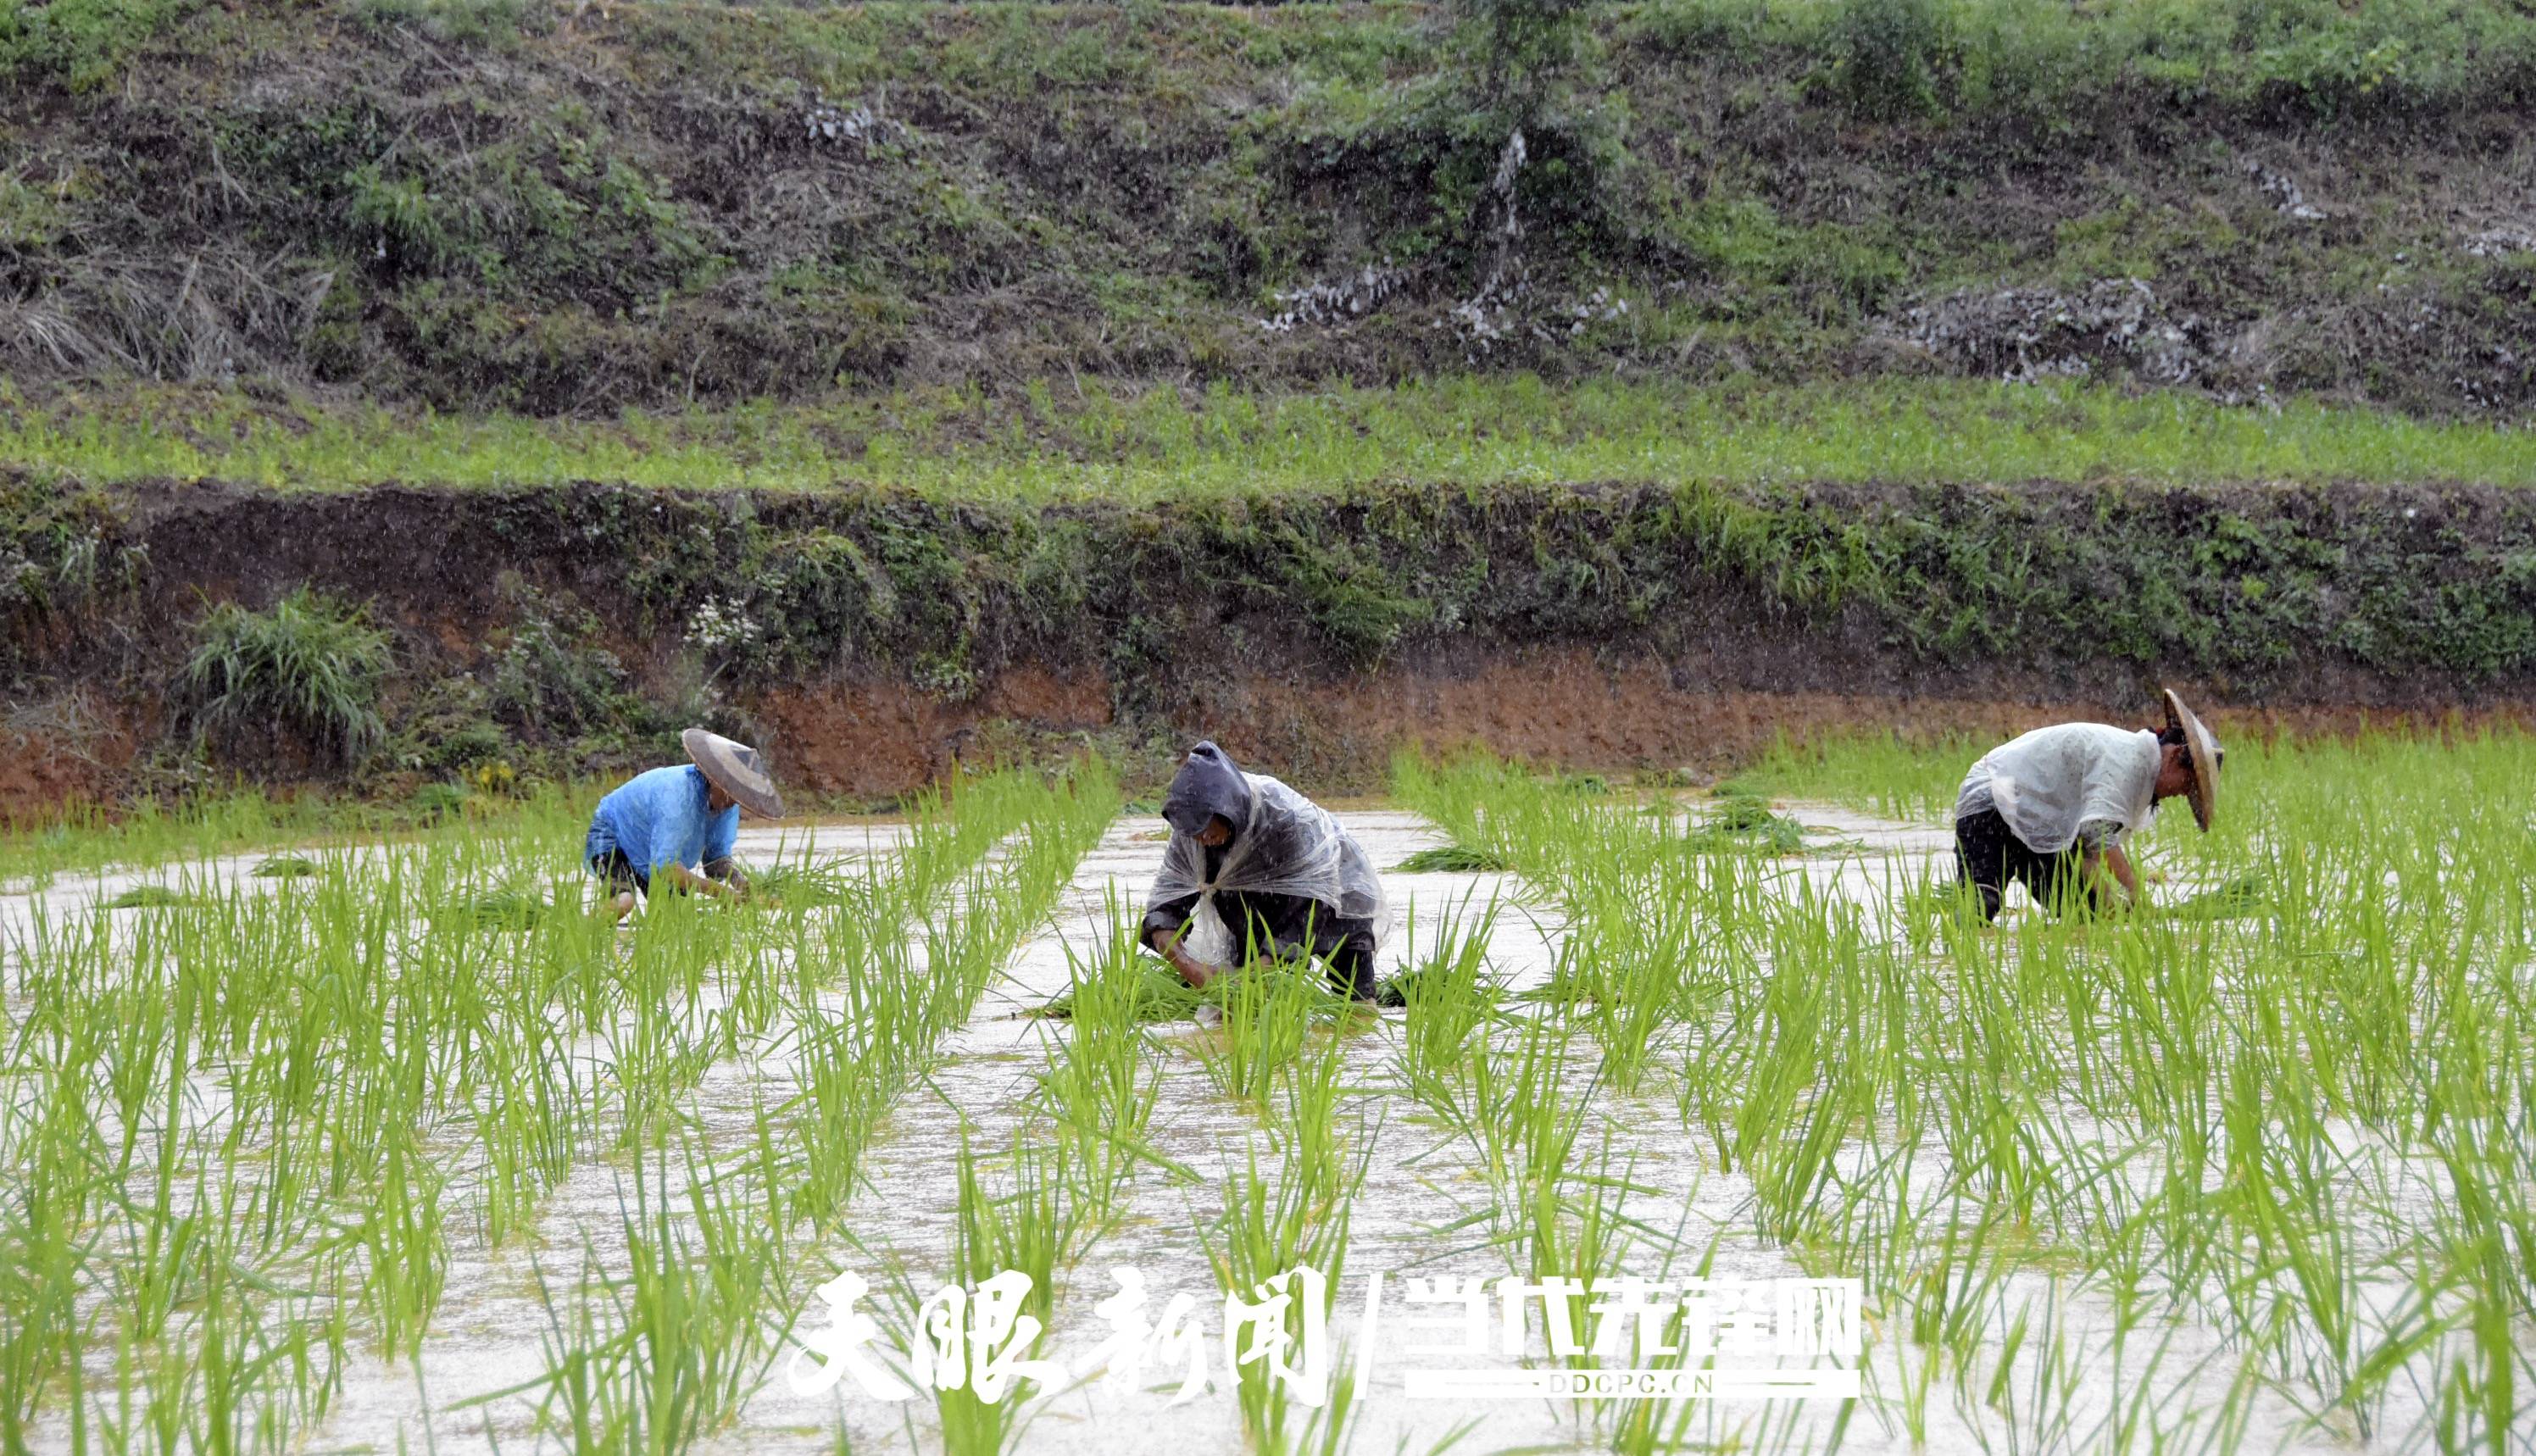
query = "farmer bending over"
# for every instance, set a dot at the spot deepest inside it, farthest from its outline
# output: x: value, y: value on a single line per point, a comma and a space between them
x: 666, y: 821
x: 1252, y: 863
x: 2053, y: 808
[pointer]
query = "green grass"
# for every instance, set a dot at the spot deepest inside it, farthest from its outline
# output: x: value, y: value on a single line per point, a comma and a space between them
x: 1157, y: 444
x: 308, y: 664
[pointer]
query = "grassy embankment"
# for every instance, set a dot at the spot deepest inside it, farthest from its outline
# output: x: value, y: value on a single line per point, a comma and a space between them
x: 1055, y: 444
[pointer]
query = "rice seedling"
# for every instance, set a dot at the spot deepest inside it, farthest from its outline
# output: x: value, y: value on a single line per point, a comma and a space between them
x: 1275, y: 1223
x: 1102, y: 1086
x: 286, y: 868
x: 806, y: 885
x: 151, y: 897
x: 1744, y: 821
x: 1268, y: 1013
x: 2149, y: 1099
x: 250, y: 1138
x: 1449, y: 999
x: 1450, y: 859
x: 503, y: 908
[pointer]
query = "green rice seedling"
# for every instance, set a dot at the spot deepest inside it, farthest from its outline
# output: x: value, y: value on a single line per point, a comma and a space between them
x: 407, y: 1256
x: 1268, y: 1012
x: 1747, y: 822
x: 1153, y: 991
x: 1269, y: 1227
x: 2242, y: 895
x: 1449, y: 998
x: 1880, y: 773
x: 153, y: 897
x: 805, y: 886
x: 1102, y: 1084
x: 1031, y: 1231
x: 664, y: 1356
x: 503, y: 908
x: 1450, y: 859
x: 856, y: 1058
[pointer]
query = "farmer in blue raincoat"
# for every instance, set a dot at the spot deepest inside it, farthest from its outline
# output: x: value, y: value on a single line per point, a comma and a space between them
x: 666, y: 823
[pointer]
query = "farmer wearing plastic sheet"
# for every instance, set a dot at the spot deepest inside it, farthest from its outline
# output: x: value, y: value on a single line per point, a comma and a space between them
x: 665, y: 823
x: 2056, y: 807
x: 1254, y: 866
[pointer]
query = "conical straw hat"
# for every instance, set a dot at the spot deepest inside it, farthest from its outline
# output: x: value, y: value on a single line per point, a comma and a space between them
x: 2204, y: 751
x: 736, y: 768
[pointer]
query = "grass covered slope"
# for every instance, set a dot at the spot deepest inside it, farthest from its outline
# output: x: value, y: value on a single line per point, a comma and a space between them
x: 552, y: 208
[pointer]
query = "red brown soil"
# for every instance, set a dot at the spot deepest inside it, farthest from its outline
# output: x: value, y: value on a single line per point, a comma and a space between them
x: 1559, y: 706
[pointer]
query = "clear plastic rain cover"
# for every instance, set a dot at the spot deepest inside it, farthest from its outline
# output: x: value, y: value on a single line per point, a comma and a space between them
x: 1282, y: 844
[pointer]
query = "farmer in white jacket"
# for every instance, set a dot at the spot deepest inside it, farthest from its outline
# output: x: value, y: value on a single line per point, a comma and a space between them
x: 2054, y: 808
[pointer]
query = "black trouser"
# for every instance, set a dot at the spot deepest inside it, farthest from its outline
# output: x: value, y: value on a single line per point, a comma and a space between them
x: 1345, y: 948
x: 619, y: 873
x: 1989, y: 857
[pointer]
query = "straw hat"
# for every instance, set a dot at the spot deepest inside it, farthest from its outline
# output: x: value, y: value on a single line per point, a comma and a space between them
x: 2205, y: 754
x: 737, y: 770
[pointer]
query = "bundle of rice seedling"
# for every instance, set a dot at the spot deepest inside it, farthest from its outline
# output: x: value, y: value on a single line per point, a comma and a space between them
x: 806, y: 884
x: 2245, y: 895
x: 1747, y: 822
x: 286, y: 867
x: 502, y: 908
x: 1450, y: 859
x: 151, y: 897
x: 1431, y: 982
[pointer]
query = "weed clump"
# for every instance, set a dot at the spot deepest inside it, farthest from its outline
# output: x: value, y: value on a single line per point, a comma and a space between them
x: 311, y: 665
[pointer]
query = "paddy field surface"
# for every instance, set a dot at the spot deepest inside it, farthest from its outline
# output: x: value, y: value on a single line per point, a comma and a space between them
x: 400, y: 1148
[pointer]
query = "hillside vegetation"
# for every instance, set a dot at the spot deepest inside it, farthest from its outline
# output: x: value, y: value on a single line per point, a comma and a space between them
x: 573, y: 208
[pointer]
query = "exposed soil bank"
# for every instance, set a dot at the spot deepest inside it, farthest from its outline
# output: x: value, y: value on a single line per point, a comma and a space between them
x: 871, y: 638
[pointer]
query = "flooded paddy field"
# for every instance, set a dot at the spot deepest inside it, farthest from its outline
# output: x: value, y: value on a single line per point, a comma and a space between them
x: 398, y: 1149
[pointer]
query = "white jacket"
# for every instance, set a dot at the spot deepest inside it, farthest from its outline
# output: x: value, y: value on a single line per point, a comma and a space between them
x: 2048, y: 783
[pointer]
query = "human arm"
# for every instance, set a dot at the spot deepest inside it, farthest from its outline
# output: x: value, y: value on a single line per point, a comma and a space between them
x: 2101, y: 850
x: 2121, y: 863
x: 685, y: 879
x: 1165, y: 926
x: 676, y: 837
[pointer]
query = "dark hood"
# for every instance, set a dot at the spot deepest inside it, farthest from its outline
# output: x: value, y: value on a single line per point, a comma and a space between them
x: 1206, y: 785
